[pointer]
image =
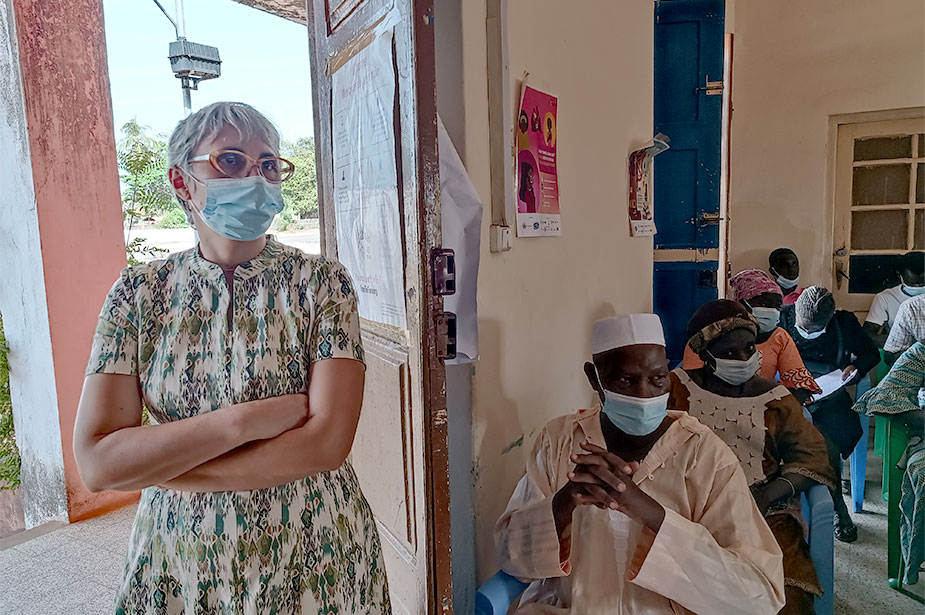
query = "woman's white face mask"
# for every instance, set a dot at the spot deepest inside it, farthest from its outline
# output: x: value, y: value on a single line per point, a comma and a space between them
x: 736, y: 372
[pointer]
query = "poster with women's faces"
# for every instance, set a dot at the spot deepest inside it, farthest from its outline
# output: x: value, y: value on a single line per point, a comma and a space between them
x: 537, y: 182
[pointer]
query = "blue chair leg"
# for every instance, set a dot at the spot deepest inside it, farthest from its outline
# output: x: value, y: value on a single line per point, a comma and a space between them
x: 819, y: 513
x: 858, y: 460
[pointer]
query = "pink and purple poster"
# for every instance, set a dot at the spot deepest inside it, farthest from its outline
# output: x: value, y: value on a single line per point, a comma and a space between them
x: 538, y: 213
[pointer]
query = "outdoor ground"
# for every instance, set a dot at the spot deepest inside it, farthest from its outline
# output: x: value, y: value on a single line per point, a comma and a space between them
x: 175, y: 240
x: 75, y: 569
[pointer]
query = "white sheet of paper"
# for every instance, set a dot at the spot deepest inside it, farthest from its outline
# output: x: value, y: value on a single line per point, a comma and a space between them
x: 366, y: 182
x: 831, y: 382
x: 461, y: 219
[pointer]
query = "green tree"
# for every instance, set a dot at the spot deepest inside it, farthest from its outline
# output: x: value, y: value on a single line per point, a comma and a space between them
x: 300, y: 192
x: 10, y: 462
x: 146, y: 192
x: 143, y: 172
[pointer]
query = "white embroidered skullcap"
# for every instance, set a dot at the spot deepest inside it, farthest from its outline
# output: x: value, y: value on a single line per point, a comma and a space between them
x: 628, y: 330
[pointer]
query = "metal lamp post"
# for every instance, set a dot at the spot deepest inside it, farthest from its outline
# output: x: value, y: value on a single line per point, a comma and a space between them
x: 191, y: 62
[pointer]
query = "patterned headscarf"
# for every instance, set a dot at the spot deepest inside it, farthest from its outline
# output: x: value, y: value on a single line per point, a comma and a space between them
x: 715, y: 319
x: 748, y: 284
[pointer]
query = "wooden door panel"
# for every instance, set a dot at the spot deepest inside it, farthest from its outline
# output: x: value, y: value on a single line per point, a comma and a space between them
x: 383, y: 462
x: 400, y: 450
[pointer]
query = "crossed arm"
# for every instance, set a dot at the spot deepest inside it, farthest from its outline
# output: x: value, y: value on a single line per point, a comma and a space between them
x: 246, y: 446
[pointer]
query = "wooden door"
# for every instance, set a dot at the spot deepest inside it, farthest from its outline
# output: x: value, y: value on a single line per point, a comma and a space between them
x: 376, y: 138
x: 879, y: 206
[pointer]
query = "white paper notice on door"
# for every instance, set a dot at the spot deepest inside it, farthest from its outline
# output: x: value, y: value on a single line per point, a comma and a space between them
x: 367, y: 216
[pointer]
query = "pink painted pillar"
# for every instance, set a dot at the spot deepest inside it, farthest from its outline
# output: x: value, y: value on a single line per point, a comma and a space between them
x: 68, y: 112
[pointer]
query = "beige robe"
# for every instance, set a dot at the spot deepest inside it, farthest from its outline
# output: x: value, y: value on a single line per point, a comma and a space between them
x: 714, y: 553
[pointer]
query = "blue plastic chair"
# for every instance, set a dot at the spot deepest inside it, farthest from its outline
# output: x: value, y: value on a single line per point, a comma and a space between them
x: 499, y: 592
x: 858, y: 457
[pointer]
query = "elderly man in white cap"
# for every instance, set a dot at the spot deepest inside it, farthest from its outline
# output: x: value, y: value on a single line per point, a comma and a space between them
x: 629, y: 507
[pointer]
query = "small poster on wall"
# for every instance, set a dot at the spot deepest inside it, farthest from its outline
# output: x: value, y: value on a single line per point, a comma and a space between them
x: 536, y: 165
x: 641, y: 214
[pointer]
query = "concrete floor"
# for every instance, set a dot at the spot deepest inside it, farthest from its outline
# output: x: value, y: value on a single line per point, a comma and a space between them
x: 860, y: 567
x: 71, y: 570
x: 75, y: 569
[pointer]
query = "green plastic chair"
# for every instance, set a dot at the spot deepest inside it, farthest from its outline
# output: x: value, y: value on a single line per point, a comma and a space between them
x: 882, y: 370
x: 895, y: 441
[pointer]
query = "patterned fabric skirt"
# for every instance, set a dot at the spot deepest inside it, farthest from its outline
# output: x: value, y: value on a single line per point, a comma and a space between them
x: 912, y: 512
x: 303, y: 548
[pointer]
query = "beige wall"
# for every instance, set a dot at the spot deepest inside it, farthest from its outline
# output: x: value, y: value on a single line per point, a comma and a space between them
x: 795, y: 64
x: 537, y: 302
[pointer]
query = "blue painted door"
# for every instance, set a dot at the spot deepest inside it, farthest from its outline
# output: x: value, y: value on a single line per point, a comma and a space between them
x: 688, y: 56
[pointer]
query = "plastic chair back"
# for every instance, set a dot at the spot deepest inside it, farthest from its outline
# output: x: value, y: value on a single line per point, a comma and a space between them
x: 497, y: 594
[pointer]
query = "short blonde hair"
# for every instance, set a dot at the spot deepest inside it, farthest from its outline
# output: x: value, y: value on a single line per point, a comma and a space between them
x: 208, y: 121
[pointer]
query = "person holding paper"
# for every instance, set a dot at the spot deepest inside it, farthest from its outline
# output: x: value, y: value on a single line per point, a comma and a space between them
x: 780, y: 452
x: 829, y: 340
x: 629, y: 507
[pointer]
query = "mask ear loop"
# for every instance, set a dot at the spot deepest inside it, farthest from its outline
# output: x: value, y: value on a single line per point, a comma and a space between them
x: 600, y: 383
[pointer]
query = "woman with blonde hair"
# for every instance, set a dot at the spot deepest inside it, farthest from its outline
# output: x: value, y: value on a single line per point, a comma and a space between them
x: 247, y: 355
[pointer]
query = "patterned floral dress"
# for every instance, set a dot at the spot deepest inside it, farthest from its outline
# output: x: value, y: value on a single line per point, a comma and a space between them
x: 310, y: 546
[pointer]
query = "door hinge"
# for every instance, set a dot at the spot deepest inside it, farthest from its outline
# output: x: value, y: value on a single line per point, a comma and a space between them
x: 712, y: 88
x: 443, y: 265
x: 446, y: 335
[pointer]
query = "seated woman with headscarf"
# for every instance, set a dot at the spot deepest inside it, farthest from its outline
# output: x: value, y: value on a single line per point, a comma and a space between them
x: 900, y: 394
x: 830, y: 340
x: 781, y: 453
x: 778, y: 357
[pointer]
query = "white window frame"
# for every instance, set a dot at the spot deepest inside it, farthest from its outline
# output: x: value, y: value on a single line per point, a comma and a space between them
x: 843, y: 132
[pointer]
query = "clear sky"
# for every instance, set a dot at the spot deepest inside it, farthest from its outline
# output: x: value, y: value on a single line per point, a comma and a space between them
x: 264, y: 63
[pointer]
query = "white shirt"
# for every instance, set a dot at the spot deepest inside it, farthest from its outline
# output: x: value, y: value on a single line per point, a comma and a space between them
x: 908, y: 326
x: 885, y: 305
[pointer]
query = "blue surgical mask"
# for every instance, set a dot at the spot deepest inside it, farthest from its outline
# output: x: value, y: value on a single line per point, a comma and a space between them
x: 241, y: 208
x: 636, y: 416
x: 913, y: 291
x: 809, y: 336
x: 767, y: 318
x: 736, y: 372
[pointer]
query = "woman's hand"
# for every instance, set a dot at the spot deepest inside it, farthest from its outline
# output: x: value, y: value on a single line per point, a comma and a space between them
x: 848, y: 373
x: 267, y: 418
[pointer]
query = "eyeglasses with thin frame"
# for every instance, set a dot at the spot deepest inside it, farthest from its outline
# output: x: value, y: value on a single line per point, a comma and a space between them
x: 233, y: 163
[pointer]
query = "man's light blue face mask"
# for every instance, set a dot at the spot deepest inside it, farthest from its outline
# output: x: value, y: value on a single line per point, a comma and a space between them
x: 636, y: 416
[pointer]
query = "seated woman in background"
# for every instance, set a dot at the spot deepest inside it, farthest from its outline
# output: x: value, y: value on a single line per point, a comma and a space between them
x: 830, y: 340
x: 778, y: 354
x: 781, y: 453
x: 900, y: 394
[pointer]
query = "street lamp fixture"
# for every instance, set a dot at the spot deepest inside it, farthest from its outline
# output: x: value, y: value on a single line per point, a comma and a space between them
x: 191, y: 62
